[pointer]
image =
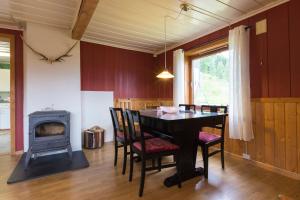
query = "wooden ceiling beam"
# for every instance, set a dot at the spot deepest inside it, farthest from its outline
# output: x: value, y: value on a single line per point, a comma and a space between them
x: 86, y: 11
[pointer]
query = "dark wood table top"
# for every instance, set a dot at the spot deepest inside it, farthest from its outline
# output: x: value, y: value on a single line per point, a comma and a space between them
x: 180, y: 115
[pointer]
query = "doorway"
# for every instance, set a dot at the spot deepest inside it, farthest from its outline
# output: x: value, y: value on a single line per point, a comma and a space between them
x: 7, y: 98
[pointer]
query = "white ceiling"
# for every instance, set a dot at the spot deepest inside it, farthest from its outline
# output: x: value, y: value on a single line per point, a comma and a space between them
x: 132, y: 24
x: 57, y: 13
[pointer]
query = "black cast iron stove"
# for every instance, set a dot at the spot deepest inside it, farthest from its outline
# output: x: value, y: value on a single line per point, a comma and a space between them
x: 48, y: 131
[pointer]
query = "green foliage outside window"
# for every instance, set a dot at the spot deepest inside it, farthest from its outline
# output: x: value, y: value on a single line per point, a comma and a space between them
x: 4, y: 66
x: 211, y: 79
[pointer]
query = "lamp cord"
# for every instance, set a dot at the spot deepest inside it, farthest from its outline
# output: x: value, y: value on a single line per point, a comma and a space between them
x: 165, y: 28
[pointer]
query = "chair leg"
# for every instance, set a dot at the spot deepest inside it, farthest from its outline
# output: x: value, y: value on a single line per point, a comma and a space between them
x: 202, y: 151
x: 179, y: 172
x: 153, y: 162
x: 124, y: 159
x: 131, y: 166
x: 116, y: 153
x: 222, y: 155
x: 159, y: 164
x: 142, y: 183
x: 206, y: 162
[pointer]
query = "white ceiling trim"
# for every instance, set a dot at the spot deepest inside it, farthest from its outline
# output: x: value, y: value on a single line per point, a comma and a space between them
x: 121, y: 43
x: 121, y: 46
x: 10, y: 25
x: 250, y: 14
x: 124, y: 38
x: 143, y: 40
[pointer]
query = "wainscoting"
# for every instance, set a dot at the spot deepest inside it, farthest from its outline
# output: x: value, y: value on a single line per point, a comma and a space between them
x: 276, y: 124
x: 277, y: 133
x: 276, y: 144
x: 142, y: 103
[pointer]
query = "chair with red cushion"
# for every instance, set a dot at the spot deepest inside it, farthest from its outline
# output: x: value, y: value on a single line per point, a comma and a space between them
x: 207, y: 140
x: 154, y: 149
x: 121, y: 136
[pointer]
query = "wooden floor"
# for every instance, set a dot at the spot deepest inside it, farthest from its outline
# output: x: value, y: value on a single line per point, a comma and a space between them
x: 101, y: 180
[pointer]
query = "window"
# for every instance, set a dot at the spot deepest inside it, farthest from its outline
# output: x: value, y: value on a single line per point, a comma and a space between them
x: 210, y: 76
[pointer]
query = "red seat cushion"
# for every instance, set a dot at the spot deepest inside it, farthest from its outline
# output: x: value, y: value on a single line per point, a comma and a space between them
x: 120, y: 135
x: 208, y: 137
x: 156, y: 145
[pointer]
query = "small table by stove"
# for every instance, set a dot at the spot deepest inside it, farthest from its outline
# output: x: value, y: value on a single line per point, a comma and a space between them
x: 184, y: 128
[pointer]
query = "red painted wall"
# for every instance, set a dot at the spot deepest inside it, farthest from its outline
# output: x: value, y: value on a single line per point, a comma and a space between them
x: 130, y: 74
x: 274, y: 56
x: 294, y: 25
x: 278, y: 52
x: 19, y: 86
x: 258, y: 60
x: 274, y: 65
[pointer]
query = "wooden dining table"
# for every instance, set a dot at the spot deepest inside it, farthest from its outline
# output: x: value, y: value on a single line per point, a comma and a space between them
x: 183, y: 129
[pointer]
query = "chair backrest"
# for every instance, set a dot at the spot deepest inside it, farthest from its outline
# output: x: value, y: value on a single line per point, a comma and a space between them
x: 219, y: 109
x: 133, y: 119
x: 117, y: 116
x: 214, y: 108
x: 188, y: 107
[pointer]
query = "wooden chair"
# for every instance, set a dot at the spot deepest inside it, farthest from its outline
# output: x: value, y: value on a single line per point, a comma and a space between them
x: 188, y: 107
x: 121, y: 136
x: 154, y: 149
x: 207, y: 140
x: 214, y: 108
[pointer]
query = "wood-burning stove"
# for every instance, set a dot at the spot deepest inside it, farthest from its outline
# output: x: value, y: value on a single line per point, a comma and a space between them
x: 48, y: 131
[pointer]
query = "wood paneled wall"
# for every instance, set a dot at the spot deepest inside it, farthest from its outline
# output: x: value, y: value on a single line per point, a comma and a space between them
x: 164, y: 87
x: 294, y: 31
x: 278, y: 52
x: 140, y: 104
x: 274, y: 63
x: 276, y: 124
x: 277, y: 133
x: 130, y: 74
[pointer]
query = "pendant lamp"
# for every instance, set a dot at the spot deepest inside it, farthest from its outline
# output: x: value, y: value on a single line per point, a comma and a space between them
x: 165, y: 74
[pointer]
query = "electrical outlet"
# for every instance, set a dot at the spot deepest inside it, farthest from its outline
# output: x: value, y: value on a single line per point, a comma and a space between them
x: 246, y: 156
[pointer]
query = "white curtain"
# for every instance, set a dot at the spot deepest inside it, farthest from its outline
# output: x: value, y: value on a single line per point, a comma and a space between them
x: 178, y: 81
x: 240, y: 118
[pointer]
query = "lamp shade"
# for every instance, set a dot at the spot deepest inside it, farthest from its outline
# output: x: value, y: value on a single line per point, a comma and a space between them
x: 165, y: 75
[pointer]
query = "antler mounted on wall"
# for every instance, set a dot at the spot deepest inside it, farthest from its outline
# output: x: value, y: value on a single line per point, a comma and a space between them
x: 47, y: 59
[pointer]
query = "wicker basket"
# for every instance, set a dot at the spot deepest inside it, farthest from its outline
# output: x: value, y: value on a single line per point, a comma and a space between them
x: 93, y: 138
